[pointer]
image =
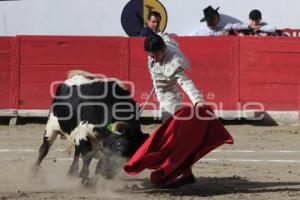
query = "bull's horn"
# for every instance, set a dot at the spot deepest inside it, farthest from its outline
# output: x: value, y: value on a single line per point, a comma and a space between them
x: 120, y: 127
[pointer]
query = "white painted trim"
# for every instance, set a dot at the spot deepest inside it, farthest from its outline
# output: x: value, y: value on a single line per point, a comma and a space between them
x: 214, y: 151
x: 280, y: 117
x: 249, y: 160
x: 284, y: 117
x: 33, y: 113
x: 254, y: 151
x: 8, y: 113
x: 28, y: 150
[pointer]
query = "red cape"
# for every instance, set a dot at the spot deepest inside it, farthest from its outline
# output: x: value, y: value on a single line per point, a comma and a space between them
x: 176, y: 145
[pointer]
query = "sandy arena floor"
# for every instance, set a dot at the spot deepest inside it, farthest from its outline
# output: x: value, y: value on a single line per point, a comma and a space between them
x: 264, y: 163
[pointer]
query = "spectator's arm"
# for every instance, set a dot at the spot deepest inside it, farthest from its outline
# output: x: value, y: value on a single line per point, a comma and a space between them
x: 267, y: 28
x: 236, y: 26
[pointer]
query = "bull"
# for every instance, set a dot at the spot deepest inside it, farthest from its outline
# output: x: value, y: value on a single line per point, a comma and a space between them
x: 83, y: 109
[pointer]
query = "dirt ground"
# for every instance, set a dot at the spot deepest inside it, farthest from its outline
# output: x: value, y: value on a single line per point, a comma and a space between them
x: 264, y: 163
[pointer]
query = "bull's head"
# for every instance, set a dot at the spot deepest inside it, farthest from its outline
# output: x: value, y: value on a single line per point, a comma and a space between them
x: 127, y: 138
x: 116, y: 143
x: 121, y: 144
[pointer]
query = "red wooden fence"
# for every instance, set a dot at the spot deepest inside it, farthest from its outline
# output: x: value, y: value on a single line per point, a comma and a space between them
x: 270, y: 72
x: 47, y: 59
x: 230, y: 71
x: 8, y: 72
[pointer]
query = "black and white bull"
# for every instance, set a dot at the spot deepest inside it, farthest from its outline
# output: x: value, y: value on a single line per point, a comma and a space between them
x: 83, y: 108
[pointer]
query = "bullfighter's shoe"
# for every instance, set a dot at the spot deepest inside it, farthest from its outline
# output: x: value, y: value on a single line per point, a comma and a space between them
x: 186, y: 180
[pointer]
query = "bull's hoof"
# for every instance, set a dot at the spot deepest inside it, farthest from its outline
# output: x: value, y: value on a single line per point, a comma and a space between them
x: 107, y: 174
x: 89, y: 182
x: 84, y: 174
x: 73, y: 172
x: 84, y: 181
x: 105, y: 170
x: 34, y: 171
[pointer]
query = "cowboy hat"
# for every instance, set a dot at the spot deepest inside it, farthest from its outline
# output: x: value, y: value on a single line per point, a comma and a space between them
x: 209, y: 12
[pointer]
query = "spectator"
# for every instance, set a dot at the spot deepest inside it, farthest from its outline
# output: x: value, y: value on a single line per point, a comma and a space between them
x: 212, y: 19
x: 153, y: 22
x: 254, y: 27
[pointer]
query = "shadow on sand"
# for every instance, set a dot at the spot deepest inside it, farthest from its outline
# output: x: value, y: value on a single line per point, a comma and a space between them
x: 208, y: 186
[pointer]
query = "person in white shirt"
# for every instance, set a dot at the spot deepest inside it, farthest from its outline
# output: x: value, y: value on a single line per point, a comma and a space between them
x: 254, y: 27
x: 212, y: 27
x: 166, y: 64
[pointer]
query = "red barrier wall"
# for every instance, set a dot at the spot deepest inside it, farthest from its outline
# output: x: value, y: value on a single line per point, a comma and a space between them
x: 8, y: 73
x: 47, y: 59
x: 214, y: 64
x: 228, y: 70
x: 270, y: 72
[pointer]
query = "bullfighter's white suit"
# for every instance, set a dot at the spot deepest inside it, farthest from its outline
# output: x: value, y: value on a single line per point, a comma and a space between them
x: 165, y: 76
